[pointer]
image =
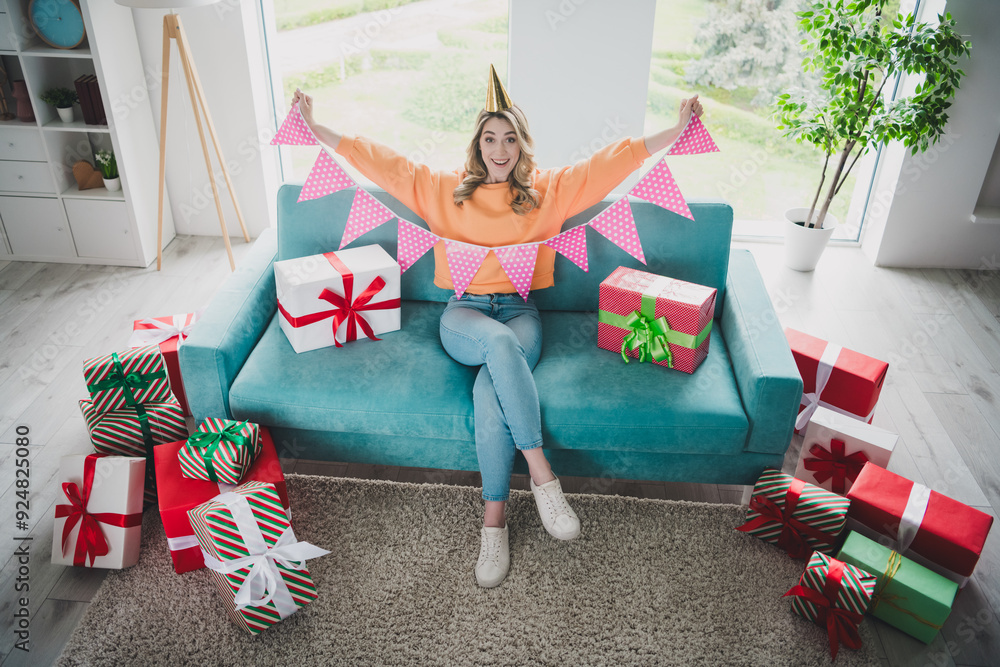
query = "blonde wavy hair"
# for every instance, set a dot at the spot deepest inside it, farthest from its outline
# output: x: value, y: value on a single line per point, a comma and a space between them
x: 521, y: 177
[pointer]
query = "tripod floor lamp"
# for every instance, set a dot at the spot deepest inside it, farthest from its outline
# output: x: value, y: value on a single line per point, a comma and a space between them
x: 174, y: 30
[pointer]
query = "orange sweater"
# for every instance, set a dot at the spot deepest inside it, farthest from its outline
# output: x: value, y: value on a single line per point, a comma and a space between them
x: 486, y: 218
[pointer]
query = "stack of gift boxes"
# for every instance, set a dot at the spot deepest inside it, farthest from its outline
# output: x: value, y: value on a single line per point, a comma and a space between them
x: 221, y: 492
x: 902, y: 550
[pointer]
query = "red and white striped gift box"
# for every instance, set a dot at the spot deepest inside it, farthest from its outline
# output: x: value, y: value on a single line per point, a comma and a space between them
x: 121, y: 379
x: 231, y: 530
x: 229, y: 461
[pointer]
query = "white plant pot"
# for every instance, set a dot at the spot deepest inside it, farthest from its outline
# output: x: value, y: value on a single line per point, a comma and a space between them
x: 66, y: 115
x: 113, y: 184
x: 803, y: 245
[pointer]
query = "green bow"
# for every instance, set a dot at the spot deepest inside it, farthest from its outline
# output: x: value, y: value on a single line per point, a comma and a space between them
x: 212, y: 440
x: 128, y: 382
x: 650, y: 336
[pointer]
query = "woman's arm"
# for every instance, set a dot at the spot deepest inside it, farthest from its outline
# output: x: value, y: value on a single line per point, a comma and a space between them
x: 322, y: 132
x: 660, y: 140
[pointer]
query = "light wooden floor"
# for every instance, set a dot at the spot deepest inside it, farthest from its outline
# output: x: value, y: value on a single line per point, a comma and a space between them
x: 938, y: 329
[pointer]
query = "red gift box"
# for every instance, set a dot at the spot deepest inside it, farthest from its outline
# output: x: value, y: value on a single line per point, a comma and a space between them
x: 849, y: 382
x: 178, y: 494
x: 167, y: 332
x: 934, y: 530
x: 651, y: 317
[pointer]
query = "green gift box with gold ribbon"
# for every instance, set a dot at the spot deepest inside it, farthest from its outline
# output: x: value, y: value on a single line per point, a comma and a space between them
x: 907, y: 596
x: 655, y: 318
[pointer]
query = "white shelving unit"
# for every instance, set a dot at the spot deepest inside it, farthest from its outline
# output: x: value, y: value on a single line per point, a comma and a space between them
x: 44, y: 216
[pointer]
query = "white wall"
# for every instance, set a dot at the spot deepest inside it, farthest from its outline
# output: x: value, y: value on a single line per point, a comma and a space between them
x: 928, y: 222
x: 220, y: 37
x: 580, y: 70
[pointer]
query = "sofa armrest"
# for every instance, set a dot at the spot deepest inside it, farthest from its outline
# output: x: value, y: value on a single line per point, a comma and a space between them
x: 766, y: 375
x: 228, y: 330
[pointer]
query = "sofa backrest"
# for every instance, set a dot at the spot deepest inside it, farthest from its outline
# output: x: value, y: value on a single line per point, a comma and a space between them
x: 674, y: 246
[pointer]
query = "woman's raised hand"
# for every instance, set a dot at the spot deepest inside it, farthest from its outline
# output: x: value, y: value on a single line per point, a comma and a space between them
x: 305, y: 103
x: 689, y: 107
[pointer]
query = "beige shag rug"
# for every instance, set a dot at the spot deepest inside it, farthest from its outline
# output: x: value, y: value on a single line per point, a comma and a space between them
x: 648, y: 582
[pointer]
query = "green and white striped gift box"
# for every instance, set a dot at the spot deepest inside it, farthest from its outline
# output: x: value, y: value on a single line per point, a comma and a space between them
x: 817, y: 518
x: 228, y: 461
x: 222, y: 539
x: 119, y: 432
x: 856, y: 587
x: 122, y: 379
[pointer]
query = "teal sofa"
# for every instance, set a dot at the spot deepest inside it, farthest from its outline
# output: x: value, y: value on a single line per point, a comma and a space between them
x: 403, y: 401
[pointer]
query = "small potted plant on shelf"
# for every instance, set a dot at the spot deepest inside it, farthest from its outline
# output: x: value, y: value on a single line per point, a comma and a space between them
x: 109, y: 169
x: 859, y: 53
x: 63, y: 100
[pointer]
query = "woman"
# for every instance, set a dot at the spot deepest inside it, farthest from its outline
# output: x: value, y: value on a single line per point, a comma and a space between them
x: 500, y: 199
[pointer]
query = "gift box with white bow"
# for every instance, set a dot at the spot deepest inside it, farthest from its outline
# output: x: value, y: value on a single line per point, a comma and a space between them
x: 337, y: 297
x: 836, y: 447
x: 835, y: 378
x: 930, y: 528
x: 177, y: 494
x: 98, y: 520
x: 257, y: 564
x: 169, y: 334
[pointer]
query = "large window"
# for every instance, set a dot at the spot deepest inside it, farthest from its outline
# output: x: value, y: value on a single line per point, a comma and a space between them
x: 407, y: 74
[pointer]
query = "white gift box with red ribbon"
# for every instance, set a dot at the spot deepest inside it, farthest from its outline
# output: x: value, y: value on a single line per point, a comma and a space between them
x: 337, y: 297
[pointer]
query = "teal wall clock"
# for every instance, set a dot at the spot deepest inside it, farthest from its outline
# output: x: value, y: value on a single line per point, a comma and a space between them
x: 58, y: 22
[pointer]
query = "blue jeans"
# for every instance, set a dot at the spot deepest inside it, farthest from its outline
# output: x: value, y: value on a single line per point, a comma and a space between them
x: 503, y: 335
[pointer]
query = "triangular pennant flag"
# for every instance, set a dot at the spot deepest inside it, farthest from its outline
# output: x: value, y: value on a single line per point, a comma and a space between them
x: 412, y: 242
x: 366, y: 214
x: 618, y: 226
x: 463, y: 263
x: 518, y: 263
x: 659, y: 187
x: 694, y: 139
x: 294, y: 131
x: 325, y: 178
x: 572, y: 244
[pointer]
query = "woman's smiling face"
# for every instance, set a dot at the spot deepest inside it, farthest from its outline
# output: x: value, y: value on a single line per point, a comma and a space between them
x: 499, y: 148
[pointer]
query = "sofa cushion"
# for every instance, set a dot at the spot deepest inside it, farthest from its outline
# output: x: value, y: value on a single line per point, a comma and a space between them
x: 407, y: 385
x: 593, y: 400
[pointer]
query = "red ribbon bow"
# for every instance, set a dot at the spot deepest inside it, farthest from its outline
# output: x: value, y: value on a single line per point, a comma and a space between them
x: 90, y: 543
x: 793, y: 531
x: 826, y: 464
x: 841, y: 624
x: 345, y: 309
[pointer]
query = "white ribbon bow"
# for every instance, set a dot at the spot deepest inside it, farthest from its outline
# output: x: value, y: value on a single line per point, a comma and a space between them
x: 811, y: 400
x: 264, y: 582
x: 164, y: 331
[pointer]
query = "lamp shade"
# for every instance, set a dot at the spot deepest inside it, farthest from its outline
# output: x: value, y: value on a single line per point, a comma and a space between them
x: 165, y: 4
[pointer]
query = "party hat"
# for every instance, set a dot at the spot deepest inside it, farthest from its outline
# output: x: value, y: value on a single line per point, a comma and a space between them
x: 496, y: 97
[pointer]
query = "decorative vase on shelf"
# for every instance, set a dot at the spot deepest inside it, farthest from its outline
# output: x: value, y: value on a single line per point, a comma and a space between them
x: 113, y: 184
x: 24, y: 110
x: 66, y: 114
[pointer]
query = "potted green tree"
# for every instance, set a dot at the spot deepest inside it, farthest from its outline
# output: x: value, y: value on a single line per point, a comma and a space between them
x: 109, y: 169
x: 63, y: 100
x: 858, y: 52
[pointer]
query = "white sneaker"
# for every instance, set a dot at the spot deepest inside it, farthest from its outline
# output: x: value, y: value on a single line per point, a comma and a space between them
x: 557, y: 516
x: 494, y: 557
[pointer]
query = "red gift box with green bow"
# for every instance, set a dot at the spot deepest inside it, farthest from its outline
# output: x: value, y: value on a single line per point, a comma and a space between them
x: 655, y: 318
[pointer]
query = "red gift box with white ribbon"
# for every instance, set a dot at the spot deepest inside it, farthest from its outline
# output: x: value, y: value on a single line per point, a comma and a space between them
x: 177, y: 494
x: 930, y: 528
x: 168, y: 333
x: 835, y: 378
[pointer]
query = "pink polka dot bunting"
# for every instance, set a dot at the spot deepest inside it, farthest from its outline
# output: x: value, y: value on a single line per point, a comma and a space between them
x: 463, y: 263
x: 294, y: 131
x: 694, y: 139
x: 325, y: 178
x: 412, y: 242
x: 366, y: 214
x: 572, y: 244
x: 659, y: 187
x: 518, y: 263
x: 617, y: 225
